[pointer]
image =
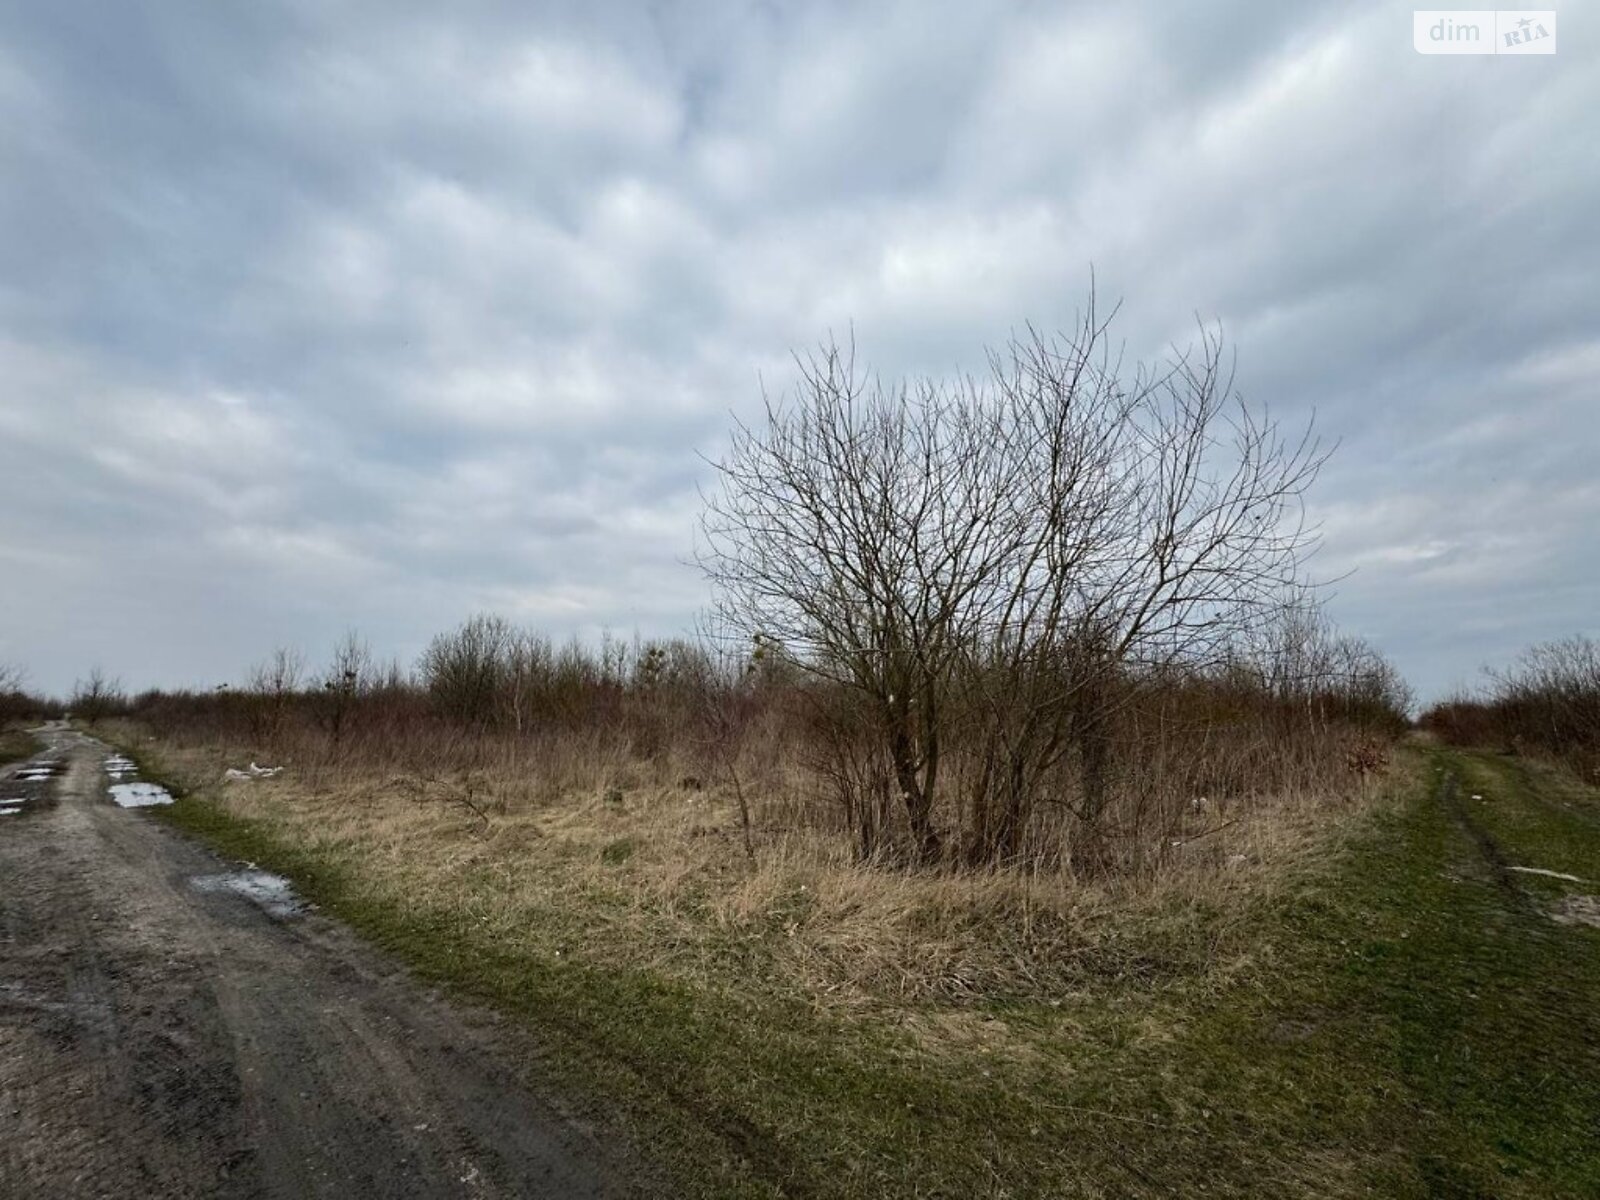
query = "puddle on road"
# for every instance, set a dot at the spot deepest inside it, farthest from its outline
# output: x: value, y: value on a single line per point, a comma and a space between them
x: 118, y: 767
x: 10, y: 807
x: 262, y: 888
x: 140, y: 795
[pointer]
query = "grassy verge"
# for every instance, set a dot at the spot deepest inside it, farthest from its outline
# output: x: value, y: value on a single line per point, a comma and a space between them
x: 17, y: 744
x: 1396, y: 1014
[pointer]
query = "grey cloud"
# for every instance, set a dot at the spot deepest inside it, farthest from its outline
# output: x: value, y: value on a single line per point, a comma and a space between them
x: 315, y: 316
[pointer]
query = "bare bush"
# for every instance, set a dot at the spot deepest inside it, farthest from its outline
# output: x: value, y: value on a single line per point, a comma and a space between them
x: 349, y: 676
x: 17, y: 703
x: 473, y: 670
x: 1548, y: 701
x: 273, y: 685
x: 97, y: 697
x: 993, y: 568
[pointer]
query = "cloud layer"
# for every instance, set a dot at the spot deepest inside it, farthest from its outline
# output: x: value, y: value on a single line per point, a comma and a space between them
x: 316, y: 316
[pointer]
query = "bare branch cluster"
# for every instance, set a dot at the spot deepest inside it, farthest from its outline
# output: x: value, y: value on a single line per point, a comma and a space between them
x: 994, y: 559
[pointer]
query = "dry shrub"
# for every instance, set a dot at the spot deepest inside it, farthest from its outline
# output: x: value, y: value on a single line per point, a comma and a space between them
x: 1547, y: 703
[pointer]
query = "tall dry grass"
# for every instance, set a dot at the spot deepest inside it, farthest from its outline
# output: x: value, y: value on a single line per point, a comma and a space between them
x: 577, y: 845
x: 639, y: 818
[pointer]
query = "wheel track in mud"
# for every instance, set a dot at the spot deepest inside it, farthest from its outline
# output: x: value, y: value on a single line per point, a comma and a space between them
x: 157, y: 1041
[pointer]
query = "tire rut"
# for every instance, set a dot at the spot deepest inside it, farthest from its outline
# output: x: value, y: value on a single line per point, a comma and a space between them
x: 156, y: 1041
x: 1488, y: 849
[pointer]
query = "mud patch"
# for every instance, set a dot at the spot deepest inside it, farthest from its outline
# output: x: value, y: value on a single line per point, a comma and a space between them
x: 267, y: 891
x: 1577, y: 910
x: 1294, y: 1030
x: 140, y: 795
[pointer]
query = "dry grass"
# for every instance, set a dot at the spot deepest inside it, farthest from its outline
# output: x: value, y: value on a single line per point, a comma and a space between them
x: 797, y: 1023
x: 576, y: 850
x: 17, y: 743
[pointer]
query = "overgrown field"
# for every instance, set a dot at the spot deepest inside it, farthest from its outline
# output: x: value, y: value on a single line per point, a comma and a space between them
x: 1315, y: 996
x: 16, y: 743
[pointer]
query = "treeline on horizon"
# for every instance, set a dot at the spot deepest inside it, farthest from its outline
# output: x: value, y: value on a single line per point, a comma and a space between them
x: 489, y: 682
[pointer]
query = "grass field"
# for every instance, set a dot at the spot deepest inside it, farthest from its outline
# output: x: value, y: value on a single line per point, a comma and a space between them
x: 16, y: 744
x: 1383, y: 1007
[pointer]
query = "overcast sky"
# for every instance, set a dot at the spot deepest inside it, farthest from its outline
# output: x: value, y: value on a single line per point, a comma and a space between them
x: 317, y: 315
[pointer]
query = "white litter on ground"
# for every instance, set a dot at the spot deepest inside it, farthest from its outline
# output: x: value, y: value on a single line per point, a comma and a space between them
x: 234, y: 775
x: 140, y: 795
x: 1546, y: 874
x: 271, y: 892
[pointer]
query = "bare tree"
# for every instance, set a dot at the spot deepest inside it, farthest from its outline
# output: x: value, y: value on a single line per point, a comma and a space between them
x: 529, y: 667
x: 996, y: 560
x: 273, y: 685
x: 348, y: 676
x: 12, y: 678
x: 723, y: 686
x: 97, y: 697
x: 466, y: 671
x: 1551, y: 698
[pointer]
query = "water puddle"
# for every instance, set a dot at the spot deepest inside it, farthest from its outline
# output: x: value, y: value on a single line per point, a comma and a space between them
x: 118, y: 767
x: 10, y: 807
x: 140, y: 795
x: 262, y: 888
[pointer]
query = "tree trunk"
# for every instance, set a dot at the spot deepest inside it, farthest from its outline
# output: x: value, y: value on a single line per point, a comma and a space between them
x: 1016, y: 807
x: 917, y: 795
x: 1093, y: 855
x: 1095, y: 747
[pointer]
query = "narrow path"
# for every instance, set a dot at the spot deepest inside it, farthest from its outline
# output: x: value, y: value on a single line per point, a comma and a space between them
x: 161, y: 1040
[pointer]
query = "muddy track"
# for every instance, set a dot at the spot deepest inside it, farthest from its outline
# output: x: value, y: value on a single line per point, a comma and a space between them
x: 161, y: 1040
x: 1488, y: 849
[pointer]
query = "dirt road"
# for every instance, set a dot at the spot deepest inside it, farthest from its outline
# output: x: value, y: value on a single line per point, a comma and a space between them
x: 160, y: 1038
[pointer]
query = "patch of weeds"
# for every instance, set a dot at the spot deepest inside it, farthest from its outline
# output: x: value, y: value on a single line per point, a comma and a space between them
x: 18, y: 744
x: 614, y: 854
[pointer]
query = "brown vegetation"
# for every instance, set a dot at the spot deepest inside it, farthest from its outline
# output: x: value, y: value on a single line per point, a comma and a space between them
x: 654, y: 811
x: 1547, y: 703
x: 17, y: 704
x: 499, y: 722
